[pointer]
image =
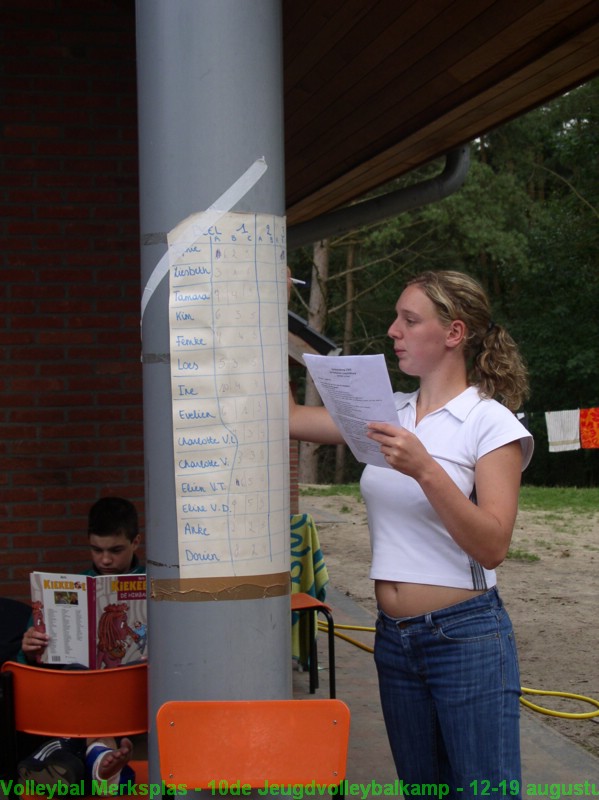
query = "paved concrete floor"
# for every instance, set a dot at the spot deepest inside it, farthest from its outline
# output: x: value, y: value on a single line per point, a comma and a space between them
x: 548, y: 756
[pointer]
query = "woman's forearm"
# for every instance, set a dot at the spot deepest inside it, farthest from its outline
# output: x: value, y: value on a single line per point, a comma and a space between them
x: 312, y: 424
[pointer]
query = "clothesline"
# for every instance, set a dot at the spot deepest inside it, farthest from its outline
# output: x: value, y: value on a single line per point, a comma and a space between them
x: 573, y: 429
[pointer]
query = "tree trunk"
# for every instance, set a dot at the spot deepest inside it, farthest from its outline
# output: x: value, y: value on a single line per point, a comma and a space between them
x: 308, y: 452
x: 341, y: 450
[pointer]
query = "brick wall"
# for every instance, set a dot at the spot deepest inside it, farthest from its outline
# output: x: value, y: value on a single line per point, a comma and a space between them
x: 71, y: 404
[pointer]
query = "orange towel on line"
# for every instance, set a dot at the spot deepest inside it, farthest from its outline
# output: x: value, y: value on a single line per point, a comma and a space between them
x: 589, y: 427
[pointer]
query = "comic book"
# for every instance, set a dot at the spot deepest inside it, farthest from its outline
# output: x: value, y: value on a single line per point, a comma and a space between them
x: 96, y: 622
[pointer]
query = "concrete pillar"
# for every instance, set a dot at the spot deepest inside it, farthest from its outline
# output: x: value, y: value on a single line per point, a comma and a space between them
x: 210, y: 104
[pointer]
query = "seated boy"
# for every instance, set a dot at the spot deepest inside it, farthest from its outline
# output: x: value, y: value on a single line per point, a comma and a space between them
x: 113, y: 539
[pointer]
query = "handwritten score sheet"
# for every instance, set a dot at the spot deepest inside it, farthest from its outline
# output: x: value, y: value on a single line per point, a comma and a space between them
x: 356, y: 390
x: 229, y: 375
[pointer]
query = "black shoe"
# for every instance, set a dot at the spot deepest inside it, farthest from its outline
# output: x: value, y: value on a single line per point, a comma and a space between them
x: 54, y: 762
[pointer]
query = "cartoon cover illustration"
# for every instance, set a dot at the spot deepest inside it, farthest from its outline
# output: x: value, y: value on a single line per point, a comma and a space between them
x: 114, y: 635
x: 87, y: 618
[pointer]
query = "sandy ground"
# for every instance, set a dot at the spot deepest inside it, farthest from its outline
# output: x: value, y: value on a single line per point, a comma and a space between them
x: 553, y: 601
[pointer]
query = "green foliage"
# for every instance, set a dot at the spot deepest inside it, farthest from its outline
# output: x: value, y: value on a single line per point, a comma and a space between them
x: 560, y: 498
x: 521, y: 555
x: 525, y: 224
x: 331, y: 490
x: 482, y: 228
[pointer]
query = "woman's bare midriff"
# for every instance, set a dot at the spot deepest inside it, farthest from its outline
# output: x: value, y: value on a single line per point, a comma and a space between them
x: 414, y: 599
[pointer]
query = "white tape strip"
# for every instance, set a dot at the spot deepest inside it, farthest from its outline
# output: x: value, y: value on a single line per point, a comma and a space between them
x: 220, y: 206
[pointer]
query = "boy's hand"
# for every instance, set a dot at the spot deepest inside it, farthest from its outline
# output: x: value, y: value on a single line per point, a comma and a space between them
x: 34, y: 643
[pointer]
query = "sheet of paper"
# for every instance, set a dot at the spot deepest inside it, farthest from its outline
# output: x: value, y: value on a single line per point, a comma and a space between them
x: 60, y: 609
x: 356, y: 390
x: 228, y: 330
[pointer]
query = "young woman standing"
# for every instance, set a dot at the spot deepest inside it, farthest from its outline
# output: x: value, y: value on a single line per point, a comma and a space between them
x: 441, y: 519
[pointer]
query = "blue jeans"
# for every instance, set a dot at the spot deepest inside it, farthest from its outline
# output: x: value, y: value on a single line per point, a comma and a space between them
x: 450, y: 689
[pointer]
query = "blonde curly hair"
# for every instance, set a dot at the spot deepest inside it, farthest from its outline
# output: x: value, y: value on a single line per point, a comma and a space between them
x: 495, y: 365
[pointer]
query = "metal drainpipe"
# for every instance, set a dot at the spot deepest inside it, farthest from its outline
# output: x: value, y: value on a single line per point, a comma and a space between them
x: 457, y: 163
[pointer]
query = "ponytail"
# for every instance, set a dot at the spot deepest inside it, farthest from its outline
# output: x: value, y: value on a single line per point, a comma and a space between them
x: 498, y: 370
x: 495, y: 365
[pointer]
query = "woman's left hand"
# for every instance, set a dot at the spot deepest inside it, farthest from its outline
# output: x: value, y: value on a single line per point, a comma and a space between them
x: 402, y: 450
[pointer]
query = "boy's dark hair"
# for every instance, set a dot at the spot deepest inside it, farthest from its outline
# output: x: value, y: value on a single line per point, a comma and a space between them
x: 110, y: 516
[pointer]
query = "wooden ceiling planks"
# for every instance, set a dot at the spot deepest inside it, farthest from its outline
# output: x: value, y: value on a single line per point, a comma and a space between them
x: 393, y: 106
x: 444, y: 133
x: 373, y: 89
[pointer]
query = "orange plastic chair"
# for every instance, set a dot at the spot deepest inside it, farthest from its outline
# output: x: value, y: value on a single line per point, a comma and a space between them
x: 222, y: 745
x: 303, y: 602
x: 80, y: 703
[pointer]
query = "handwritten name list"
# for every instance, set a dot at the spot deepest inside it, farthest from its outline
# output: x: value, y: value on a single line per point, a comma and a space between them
x: 228, y: 331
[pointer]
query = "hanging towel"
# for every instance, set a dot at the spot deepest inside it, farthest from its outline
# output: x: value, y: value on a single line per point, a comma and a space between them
x: 589, y: 427
x: 563, y: 430
x: 308, y: 574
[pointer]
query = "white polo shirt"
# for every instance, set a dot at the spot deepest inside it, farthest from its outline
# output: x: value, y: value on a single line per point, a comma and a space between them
x: 409, y: 541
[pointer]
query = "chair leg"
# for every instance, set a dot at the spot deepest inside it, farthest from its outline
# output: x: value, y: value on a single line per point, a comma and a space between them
x: 314, y: 680
x: 313, y: 651
x: 331, y: 635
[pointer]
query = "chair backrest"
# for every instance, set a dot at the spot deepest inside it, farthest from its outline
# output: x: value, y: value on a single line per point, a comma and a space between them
x: 215, y: 744
x: 81, y: 703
